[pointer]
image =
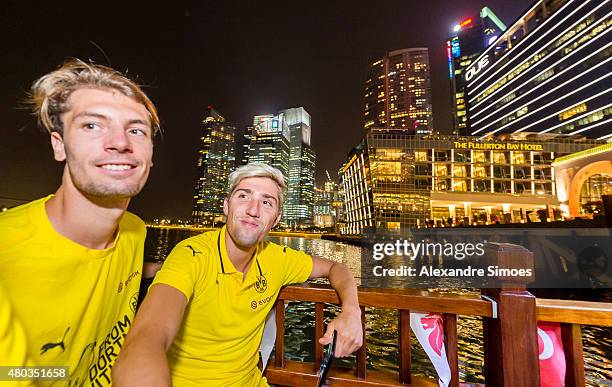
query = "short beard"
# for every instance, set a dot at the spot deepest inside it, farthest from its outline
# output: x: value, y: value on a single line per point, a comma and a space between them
x: 106, y: 193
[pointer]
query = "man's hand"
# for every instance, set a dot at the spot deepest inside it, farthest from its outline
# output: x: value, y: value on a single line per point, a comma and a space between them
x: 348, y: 323
x: 350, y: 333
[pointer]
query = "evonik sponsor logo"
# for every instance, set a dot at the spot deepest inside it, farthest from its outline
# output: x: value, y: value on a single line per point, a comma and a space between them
x: 124, y: 284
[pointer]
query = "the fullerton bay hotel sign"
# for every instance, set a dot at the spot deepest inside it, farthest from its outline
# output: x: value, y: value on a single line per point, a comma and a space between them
x: 497, y: 146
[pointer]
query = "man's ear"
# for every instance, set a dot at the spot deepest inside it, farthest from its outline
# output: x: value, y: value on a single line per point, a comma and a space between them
x: 57, y: 143
x: 225, y: 207
x: 278, y: 218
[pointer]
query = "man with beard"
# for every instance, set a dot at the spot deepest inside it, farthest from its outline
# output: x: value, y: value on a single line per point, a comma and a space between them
x: 72, y: 261
x: 208, y: 304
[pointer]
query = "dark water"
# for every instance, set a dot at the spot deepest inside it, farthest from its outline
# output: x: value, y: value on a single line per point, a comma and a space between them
x: 382, y: 324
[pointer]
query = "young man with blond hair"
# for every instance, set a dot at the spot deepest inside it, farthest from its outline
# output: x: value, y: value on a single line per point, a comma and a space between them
x: 208, y: 304
x: 72, y: 261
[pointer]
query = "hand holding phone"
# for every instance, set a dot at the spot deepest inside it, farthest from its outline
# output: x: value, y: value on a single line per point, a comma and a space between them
x: 328, y: 357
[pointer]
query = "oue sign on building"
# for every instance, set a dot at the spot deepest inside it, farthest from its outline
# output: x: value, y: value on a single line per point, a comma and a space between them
x: 481, y: 64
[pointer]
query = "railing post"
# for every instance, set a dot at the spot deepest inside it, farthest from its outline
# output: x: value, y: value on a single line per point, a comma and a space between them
x: 405, y: 375
x: 450, y: 343
x: 319, y: 332
x: 360, y: 370
x: 279, y: 350
x: 574, y: 356
x: 511, y: 341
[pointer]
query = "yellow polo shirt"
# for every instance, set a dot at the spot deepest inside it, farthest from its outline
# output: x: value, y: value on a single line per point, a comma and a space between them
x: 218, y: 342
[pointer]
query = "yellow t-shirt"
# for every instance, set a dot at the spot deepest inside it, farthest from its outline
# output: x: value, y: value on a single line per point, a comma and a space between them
x: 76, y: 304
x: 13, y: 342
x: 218, y: 342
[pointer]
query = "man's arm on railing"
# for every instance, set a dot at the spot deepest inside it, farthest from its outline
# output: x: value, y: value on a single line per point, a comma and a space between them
x: 348, y: 322
x: 142, y: 361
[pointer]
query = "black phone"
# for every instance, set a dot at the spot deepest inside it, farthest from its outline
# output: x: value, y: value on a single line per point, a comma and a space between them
x: 328, y: 357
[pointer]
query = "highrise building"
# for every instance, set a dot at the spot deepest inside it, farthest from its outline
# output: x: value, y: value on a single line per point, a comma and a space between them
x: 398, y: 92
x: 269, y: 141
x: 216, y: 160
x: 339, y: 200
x: 246, y: 145
x: 328, y: 205
x: 283, y: 141
x: 469, y: 39
x: 301, y: 169
x: 323, y: 214
x: 549, y: 72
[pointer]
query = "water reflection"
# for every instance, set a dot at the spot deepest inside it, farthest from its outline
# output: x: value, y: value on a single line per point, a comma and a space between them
x: 382, y: 324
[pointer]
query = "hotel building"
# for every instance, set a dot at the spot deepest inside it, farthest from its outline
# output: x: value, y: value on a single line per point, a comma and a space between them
x: 549, y: 72
x: 398, y: 92
x: 395, y: 181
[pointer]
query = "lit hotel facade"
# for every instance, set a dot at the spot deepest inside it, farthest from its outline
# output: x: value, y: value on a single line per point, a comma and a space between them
x: 547, y: 73
x: 395, y: 181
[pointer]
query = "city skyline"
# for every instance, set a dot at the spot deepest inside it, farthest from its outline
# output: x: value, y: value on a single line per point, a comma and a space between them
x: 193, y: 56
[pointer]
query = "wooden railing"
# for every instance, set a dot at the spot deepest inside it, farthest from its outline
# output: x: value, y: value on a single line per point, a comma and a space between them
x: 509, y: 330
x: 572, y: 315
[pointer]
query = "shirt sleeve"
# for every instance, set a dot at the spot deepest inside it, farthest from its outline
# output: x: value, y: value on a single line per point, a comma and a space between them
x: 13, y: 342
x: 298, y: 265
x: 181, y: 269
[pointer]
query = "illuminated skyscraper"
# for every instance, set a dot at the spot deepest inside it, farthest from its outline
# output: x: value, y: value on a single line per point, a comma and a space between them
x: 398, y: 92
x: 216, y: 160
x: 549, y: 72
x: 328, y: 204
x: 300, y: 200
x: 270, y: 142
x: 283, y: 141
x: 469, y: 39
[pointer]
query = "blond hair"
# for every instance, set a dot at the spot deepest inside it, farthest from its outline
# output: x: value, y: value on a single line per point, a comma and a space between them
x: 49, y: 94
x: 258, y: 169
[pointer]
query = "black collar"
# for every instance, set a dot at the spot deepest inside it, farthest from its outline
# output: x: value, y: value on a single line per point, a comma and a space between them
x: 221, y: 257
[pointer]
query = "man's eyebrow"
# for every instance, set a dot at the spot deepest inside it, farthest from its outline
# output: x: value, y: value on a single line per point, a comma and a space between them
x: 268, y: 196
x: 243, y: 189
x: 138, y: 121
x: 101, y: 116
x: 91, y: 114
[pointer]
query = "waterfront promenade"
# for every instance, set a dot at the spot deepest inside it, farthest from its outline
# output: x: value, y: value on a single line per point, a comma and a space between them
x: 287, y: 234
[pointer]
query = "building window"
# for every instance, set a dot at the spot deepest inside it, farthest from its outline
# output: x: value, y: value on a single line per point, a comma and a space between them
x: 480, y: 157
x: 460, y: 185
x: 420, y: 156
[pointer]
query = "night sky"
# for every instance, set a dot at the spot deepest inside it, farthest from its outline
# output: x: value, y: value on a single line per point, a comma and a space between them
x: 244, y: 58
